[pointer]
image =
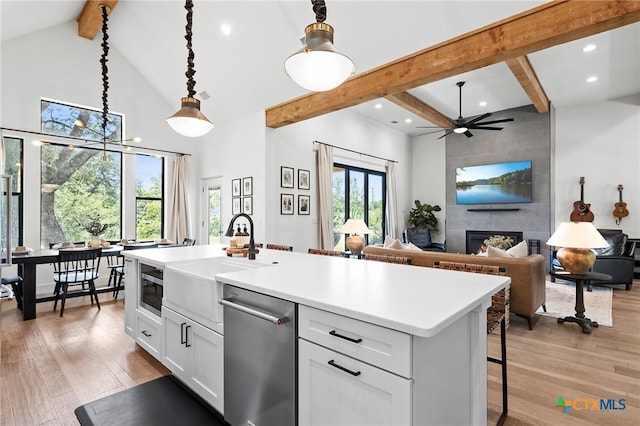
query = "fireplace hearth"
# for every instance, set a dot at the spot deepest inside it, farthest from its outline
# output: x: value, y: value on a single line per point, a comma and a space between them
x: 475, y: 239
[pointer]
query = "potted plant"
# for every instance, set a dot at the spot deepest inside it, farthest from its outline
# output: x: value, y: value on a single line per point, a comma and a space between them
x: 95, y: 228
x: 422, y: 221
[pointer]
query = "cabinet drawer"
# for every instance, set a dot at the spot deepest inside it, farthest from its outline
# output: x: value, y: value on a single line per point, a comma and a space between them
x: 338, y: 390
x: 373, y: 344
x: 148, y: 333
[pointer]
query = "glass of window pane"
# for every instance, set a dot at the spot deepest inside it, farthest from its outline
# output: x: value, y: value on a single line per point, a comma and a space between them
x: 376, y: 211
x: 339, y: 216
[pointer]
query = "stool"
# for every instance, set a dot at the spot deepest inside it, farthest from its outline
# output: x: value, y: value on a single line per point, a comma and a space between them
x: 16, y: 285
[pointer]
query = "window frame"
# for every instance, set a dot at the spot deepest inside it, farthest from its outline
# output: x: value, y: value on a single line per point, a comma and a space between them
x: 19, y: 194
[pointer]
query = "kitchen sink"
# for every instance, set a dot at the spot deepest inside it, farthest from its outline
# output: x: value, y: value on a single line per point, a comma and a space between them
x: 192, y: 287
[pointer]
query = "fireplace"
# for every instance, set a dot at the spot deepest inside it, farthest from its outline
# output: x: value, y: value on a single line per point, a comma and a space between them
x: 475, y: 239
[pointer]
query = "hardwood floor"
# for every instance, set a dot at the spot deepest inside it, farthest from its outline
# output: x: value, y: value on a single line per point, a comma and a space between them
x: 51, y: 365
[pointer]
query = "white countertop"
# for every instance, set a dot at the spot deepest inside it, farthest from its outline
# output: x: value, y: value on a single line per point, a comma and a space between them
x: 413, y: 299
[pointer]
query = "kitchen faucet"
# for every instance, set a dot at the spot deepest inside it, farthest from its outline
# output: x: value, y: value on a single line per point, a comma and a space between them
x: 252, y: 245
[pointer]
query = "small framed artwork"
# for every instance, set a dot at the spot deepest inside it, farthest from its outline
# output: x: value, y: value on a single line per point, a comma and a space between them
x: 247, y: 205
x: 236, y: 205
x: 303, y: 204
x: 303, y: 179
x: 286, y: 203
x: 286, y: 177
x: 247, y: 187
x: 235, y: 188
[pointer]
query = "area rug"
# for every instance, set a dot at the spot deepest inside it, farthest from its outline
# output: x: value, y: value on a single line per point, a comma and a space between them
x: 160, y: 402
x: 561, y: 302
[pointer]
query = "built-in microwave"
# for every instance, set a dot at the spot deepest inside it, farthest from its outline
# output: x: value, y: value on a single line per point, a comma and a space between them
x: 151, y: 288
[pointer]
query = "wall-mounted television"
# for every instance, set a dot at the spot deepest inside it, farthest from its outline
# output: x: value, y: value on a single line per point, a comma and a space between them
x: 494, y: 183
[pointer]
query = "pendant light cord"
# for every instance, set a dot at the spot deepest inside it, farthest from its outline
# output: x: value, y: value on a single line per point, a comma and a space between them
x: 190, y: 70
x: 320, y: 9
x: 105, y: 78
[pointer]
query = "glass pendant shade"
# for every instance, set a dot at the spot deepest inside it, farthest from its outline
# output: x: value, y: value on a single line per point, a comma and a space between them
x: 319, y: 66
x: 189, y: 121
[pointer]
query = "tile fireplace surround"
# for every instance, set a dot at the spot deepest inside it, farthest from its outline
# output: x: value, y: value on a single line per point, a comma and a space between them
x: 475, y: 239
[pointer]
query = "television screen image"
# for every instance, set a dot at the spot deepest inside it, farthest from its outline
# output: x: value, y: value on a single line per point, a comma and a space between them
x: 494, y: 183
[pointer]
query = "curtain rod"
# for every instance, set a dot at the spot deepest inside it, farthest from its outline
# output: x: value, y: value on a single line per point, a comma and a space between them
x: 92, y: 142
x: 355, y: 152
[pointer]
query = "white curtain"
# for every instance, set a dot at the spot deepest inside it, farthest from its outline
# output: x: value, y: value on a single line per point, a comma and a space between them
x: 179, y: 213
x: 325, y: 196
x: 392, y: 200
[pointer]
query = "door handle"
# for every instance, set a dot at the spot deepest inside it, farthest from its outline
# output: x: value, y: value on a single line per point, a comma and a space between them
x: 186, y: 337
x: 183, y: 339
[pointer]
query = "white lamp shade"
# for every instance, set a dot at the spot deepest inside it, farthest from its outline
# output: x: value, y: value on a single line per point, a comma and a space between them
x: 355, y: 226
x: 577, y: 235
x: 318, y: 66
x: 189, y: 121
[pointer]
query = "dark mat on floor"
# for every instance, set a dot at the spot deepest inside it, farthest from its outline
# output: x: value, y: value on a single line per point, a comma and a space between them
x: 163, y: 401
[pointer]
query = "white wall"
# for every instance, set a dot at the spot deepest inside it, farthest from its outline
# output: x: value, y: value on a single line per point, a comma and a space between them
x: 601, y: 142
x: 292, y: 146
x: 428, y: 179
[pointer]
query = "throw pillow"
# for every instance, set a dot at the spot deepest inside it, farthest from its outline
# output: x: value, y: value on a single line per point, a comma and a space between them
x: 397, y: 244
x: 413, y: 247
x: 519, y: 250
x: 388, y: 241
x: 496, y: 252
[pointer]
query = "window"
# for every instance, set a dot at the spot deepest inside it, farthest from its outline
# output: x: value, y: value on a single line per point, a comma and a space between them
x: 85, y: 123
x: 359, y: 194
x: 13, y: 166
x: 149, y: 200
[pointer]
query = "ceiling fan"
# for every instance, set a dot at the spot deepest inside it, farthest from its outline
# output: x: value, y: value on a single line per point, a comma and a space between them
x: 462, y: 125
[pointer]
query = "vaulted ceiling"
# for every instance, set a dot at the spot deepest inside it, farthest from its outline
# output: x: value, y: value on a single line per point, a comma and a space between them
x: 408, y: 54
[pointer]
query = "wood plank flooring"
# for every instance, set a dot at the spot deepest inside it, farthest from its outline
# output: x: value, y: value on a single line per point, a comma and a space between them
x: 51, y: 365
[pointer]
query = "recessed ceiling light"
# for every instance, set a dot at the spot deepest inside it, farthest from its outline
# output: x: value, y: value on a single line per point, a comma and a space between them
x: 225, y: 29
x: 408, y: 120
x: 592, y: 79
x: 589, y: 48
x: 378, y: 106
x: 483, y: 103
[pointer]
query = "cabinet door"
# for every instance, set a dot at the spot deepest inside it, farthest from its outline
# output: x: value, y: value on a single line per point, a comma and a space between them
x: 130, y: 296
x: 334, y: 389
x: 207, y: 357
x: 175, y: 354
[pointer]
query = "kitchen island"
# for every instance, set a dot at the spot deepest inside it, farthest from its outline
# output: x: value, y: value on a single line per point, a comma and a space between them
x: 417, y: 346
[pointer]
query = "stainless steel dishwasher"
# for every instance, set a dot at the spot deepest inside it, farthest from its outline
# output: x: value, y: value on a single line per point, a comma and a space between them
x: 260, y: 359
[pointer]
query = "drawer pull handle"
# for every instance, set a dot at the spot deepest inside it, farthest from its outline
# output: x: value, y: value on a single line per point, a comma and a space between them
x: 339, y: 367
x: 333, y: 333
x: 145, y: 333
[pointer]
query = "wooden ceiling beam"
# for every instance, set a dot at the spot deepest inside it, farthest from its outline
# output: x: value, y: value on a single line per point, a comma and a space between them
x: 526, y: 76
x: 90, y: 19
x: 539, y: 28
x: 412, y: 104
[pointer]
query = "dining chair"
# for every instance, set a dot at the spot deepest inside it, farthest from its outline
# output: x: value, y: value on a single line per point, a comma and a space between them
x: 16, y: 285
x: 76, y: 267
x: 115, y: 264
x: 497, y: 315
x: 279, y: 247
x: 189, y: 242
x: 324, y: 252
x: 389, y: 258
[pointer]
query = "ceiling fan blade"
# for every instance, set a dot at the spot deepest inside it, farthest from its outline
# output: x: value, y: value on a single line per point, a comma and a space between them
x: 447, y: 133
x: 431, y: 127
x: 502, y: 120
x: 477, y: 127
x: 468, y: 134
x: 434, y: 131
x: 480, y: 117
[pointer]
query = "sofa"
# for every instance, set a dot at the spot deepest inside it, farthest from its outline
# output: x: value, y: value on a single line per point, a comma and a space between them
x: 528, y: 274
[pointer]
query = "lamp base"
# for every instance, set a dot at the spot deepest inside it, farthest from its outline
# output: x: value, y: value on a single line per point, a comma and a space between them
x: 355, y: 243
x: 576, y: 260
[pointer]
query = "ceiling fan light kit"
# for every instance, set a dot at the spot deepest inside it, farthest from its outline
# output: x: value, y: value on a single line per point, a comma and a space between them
x: 189, y: 120
x: 318, y: 66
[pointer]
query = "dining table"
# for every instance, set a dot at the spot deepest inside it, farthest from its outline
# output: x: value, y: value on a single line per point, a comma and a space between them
x: 27, y: 266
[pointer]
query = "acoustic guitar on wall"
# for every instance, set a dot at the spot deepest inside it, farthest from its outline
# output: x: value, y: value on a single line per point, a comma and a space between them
x: 581, y: 211
x: 621, y: 207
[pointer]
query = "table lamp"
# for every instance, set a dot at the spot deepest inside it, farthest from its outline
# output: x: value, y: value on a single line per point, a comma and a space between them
x: 577, y: 239
x: 355, y: 242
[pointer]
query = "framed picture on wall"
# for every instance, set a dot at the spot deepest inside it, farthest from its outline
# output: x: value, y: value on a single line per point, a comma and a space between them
x: 286, y: 203
x: 247, y: 187
x: 247, y: 205
x: 303, y: 179
x: 235, y: 205
x: 286, y: 177
x: 235, y: 188
x: 304, y: 204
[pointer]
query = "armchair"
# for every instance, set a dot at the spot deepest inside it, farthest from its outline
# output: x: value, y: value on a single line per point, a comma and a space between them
x: 616, y: 260
x: 422, y: 238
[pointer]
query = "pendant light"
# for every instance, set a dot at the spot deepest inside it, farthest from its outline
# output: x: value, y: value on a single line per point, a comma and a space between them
x: 318, y: 66
x: 189, y: 121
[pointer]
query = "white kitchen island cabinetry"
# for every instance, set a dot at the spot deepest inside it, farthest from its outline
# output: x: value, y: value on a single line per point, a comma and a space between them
x: 194, y: 353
